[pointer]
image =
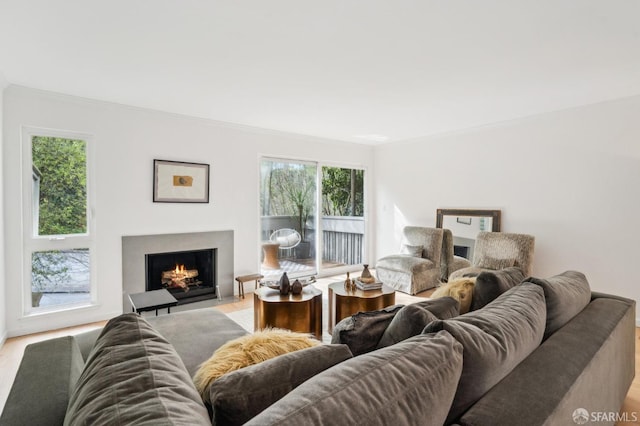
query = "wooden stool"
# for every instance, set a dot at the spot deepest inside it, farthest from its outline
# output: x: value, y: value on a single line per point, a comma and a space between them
x: 244, y: 278
x: 270, y: 255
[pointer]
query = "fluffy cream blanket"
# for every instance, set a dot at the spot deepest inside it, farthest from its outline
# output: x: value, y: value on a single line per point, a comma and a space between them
x: 460, y: 289
x: 248, y: 350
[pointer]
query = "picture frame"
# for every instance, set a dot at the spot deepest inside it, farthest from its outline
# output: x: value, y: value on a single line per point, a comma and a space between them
x: 180, y: 182
x: 464, y: 220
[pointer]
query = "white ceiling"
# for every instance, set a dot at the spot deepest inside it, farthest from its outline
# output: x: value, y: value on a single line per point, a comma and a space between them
x: 336, y: 69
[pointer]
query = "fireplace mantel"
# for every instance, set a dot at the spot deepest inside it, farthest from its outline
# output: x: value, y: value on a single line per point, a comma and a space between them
x: 134, y: 248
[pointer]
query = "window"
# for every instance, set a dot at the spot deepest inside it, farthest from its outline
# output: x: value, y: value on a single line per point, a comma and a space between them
x: 312, y: 218
x: 59, y: 235
x: 288, y: 212
x: 343, y: 227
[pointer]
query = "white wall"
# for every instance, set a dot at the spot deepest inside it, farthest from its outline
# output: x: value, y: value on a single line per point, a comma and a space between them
x: 3, y: 322
x: 570, y: 178
x: 127, y: 140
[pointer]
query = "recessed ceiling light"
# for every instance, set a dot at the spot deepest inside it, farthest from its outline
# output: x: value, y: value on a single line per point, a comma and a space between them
x: 373, y: 137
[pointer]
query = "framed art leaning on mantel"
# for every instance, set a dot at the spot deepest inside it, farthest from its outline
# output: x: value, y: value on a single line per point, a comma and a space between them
x: 180, y: 182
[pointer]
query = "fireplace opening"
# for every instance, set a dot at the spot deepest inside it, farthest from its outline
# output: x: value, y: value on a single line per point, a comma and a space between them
x: 462, y: 251
x: 190, y: 276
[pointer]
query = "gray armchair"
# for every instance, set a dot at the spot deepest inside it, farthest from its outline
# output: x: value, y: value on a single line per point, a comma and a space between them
x: 499, y: 250
x: 417, y: 267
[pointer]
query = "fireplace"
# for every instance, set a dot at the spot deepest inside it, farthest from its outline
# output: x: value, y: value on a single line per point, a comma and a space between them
x: 135, y: 249
x: 462, y: 251
x: 190, y: 276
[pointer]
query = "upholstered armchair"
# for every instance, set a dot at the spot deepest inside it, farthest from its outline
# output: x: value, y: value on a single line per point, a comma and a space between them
x: 449, y: 261
x: 417, y: 267
x: 499, y: 250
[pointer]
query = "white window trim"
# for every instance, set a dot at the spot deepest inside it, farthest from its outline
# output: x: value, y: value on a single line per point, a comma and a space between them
x: 33, y: 243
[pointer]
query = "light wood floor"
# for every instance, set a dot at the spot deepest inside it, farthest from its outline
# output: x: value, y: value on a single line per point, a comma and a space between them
x: 11, y: 352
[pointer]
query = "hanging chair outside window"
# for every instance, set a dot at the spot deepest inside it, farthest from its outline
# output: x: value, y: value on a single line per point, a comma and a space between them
x: 287, y: 238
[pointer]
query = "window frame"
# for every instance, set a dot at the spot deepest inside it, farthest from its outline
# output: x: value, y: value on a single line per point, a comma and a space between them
x: 365, y: 217
x: 319, y: 164
x: 32, y: 242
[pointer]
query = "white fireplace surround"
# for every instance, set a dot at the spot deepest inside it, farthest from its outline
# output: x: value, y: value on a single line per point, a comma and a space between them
x: 135, y: 247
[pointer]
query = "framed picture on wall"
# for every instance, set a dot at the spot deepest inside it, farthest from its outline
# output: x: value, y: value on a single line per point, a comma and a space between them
x: 464, y: 220
x: 180, y: 182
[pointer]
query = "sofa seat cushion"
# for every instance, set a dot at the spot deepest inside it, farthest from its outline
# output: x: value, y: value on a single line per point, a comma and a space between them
x: 491, y: 284
x: 566, y: 295
x: 413, y: 318
x: 392, y: 386
x: 405, y: 262
x: 408, y: 274
x: 134, y: 376
x: 363, y: 330
x: 495, y: 340
x: 240, y: 395
x: 209, y: 327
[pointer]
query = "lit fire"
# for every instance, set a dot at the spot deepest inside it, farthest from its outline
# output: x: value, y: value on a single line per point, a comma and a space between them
x: 179, y: 270
x: 180, y: 277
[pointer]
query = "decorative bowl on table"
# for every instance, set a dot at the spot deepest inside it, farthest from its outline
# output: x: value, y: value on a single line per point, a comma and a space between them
x: 275, y: 284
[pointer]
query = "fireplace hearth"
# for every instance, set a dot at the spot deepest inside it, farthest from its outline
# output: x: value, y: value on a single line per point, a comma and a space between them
x: 190, y: 276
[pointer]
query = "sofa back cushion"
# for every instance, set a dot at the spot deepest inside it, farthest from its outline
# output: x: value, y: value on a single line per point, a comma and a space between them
x: 410, y: 383
x: 491, y: 284
x: 134, y: 376
x: 566, y: 295
x: 495, y: 340
x: 588, y: 363
x: 238, y: 396
x: 413, y: 318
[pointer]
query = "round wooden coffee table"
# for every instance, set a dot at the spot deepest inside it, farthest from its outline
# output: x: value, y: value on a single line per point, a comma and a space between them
x: 343, y: 303
x: 301, y: 313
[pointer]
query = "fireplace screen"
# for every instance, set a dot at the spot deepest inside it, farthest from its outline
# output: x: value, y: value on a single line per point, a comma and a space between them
x: 189, y: 275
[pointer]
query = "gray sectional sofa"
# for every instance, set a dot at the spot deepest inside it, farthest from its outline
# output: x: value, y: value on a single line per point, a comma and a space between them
x: 537, y: 352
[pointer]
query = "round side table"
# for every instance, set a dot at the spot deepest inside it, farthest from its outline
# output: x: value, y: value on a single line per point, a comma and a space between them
x: 301, y: 312
x: 343, y: 303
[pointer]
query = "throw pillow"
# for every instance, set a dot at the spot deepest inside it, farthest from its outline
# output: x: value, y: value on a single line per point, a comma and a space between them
x: 415, y: 251
x: 134, y: 376
x: 494, y: 263
x: 237, y: 397
x: 412, y: 382
x: 491, y: 284
x: 460, y: 289
x: 362, y: 331
x: 566, y: 295
x: 248, y: 350
x: 495, y: 340
x: 413, y: 318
